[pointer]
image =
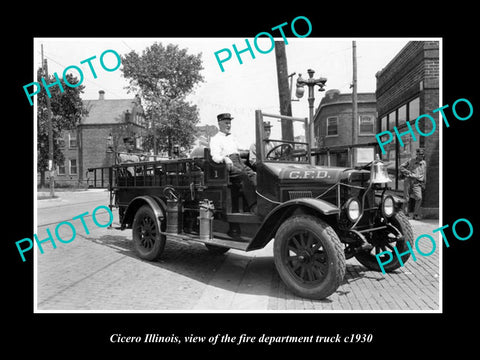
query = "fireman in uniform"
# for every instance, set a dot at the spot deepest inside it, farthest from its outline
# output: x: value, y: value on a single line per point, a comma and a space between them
x: 269, y: 145
x: 128, y: 156
x: 224, y: 148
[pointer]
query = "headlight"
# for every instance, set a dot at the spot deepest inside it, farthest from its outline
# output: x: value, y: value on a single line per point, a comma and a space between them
x: 353, y: 209
x: 388, y: 207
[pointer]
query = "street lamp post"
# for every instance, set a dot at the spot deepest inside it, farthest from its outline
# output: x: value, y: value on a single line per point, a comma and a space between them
x: 310, y: 82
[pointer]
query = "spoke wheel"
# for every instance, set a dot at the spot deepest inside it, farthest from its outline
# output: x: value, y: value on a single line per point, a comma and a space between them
x: 309, y: 257
x: 306, y: 258
x: 386, y: 240
x: 148, y: 241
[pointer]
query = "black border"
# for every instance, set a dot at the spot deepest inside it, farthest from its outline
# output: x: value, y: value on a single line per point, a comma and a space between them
x: 66, y: 334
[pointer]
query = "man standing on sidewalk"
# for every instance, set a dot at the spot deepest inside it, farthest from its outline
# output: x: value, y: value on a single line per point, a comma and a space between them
x: 415, y: 171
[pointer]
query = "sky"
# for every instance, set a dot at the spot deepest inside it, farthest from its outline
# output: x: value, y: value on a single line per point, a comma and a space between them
x: 241, y: 88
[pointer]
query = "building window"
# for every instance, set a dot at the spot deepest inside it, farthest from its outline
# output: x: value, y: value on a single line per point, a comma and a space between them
x: 61, y: 142
x: 332, y: 126
x: 407, y: 112
x: 414, y: 109
x: 383, y: 123
x: 392, y: 120
x: 138, y: 119
x: 366, y: 125
x: 72, y: 140
x: 402, y: 115
x: 139, y: 142
x: 73, y: 166
x: 61, y: 168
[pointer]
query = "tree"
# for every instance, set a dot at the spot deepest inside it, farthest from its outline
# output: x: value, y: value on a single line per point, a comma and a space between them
x: 67, y: 110
x: 163, y: 77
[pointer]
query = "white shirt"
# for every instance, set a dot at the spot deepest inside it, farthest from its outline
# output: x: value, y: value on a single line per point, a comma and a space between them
x: 253, y: 151
x: 221, y: 146
x: 129, y: 158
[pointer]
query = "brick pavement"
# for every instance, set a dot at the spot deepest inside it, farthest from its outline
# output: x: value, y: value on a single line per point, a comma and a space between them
x: 103, y: 273
x: 100, y: 271
x: 413, y: 287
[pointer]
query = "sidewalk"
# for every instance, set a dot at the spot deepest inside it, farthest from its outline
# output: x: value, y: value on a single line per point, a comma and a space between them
x: 66, y: 193
x: 44, y: 200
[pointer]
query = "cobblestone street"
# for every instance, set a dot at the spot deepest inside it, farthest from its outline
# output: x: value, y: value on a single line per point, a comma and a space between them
x: 100, y: 271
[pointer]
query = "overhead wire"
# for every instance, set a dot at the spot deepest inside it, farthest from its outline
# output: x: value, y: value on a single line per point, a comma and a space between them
x: 85, y: 78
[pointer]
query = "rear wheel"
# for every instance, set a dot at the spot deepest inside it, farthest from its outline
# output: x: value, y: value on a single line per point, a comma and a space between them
x: 147, y: 240
x: 309, y: 257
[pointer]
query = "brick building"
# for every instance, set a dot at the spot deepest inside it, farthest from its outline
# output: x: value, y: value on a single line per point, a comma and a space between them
x: 333, y: 127
x: 98, y: 137
x: 408, y: 87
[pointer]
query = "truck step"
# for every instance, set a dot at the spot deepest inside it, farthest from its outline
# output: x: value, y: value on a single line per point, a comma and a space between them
x: 219, y: 239
x: 245, y: 218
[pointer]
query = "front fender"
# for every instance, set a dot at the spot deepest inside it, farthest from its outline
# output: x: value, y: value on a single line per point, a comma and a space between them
x: 275, y: 218
x: 157, y: 205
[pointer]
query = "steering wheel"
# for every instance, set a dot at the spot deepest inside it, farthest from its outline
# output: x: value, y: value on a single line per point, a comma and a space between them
x: 283, y: 154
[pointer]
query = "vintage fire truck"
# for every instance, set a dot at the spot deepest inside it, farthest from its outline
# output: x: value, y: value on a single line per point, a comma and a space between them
x: 317, y: 216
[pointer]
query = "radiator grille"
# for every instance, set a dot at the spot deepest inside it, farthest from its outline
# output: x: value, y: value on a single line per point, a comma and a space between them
x: 299, y: 194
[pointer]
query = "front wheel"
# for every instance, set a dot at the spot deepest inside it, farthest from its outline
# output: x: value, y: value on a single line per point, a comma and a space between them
x: 147, y: 240
x: 385, y: 240
x: 309, y: 257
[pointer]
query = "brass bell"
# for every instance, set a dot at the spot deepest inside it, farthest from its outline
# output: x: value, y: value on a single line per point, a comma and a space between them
x: 378, y: 172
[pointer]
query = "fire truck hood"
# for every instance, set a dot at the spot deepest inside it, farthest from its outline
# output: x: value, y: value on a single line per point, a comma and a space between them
x: 308, y: 172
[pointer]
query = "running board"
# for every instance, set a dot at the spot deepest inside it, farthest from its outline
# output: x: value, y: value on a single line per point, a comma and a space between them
x: 243, y: 218
x: 219, y: 239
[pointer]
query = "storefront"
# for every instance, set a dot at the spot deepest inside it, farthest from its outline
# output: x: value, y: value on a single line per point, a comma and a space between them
x: 407, y: 88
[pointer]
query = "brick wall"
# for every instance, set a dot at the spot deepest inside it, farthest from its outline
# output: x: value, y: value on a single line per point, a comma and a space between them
x: 93, y: 146
x: 92, y: 140
x: 69, y: 153
x: 431, y: 146
x: 401, y: 79
x: 415, y: 72
x: 340, y: 105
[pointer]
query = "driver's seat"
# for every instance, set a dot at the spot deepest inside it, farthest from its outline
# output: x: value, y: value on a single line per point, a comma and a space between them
x: 217, y: 175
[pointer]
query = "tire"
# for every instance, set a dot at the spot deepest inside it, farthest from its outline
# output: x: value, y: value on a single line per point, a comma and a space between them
x: 309, y: 257
x: 381, y: 243
x: 147, y: 240
x: 216, y: 249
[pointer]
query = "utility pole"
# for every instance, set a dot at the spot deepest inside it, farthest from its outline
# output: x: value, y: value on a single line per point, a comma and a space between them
x: 50, y: 130
x: 283, y: 89
x: 354, y: 100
